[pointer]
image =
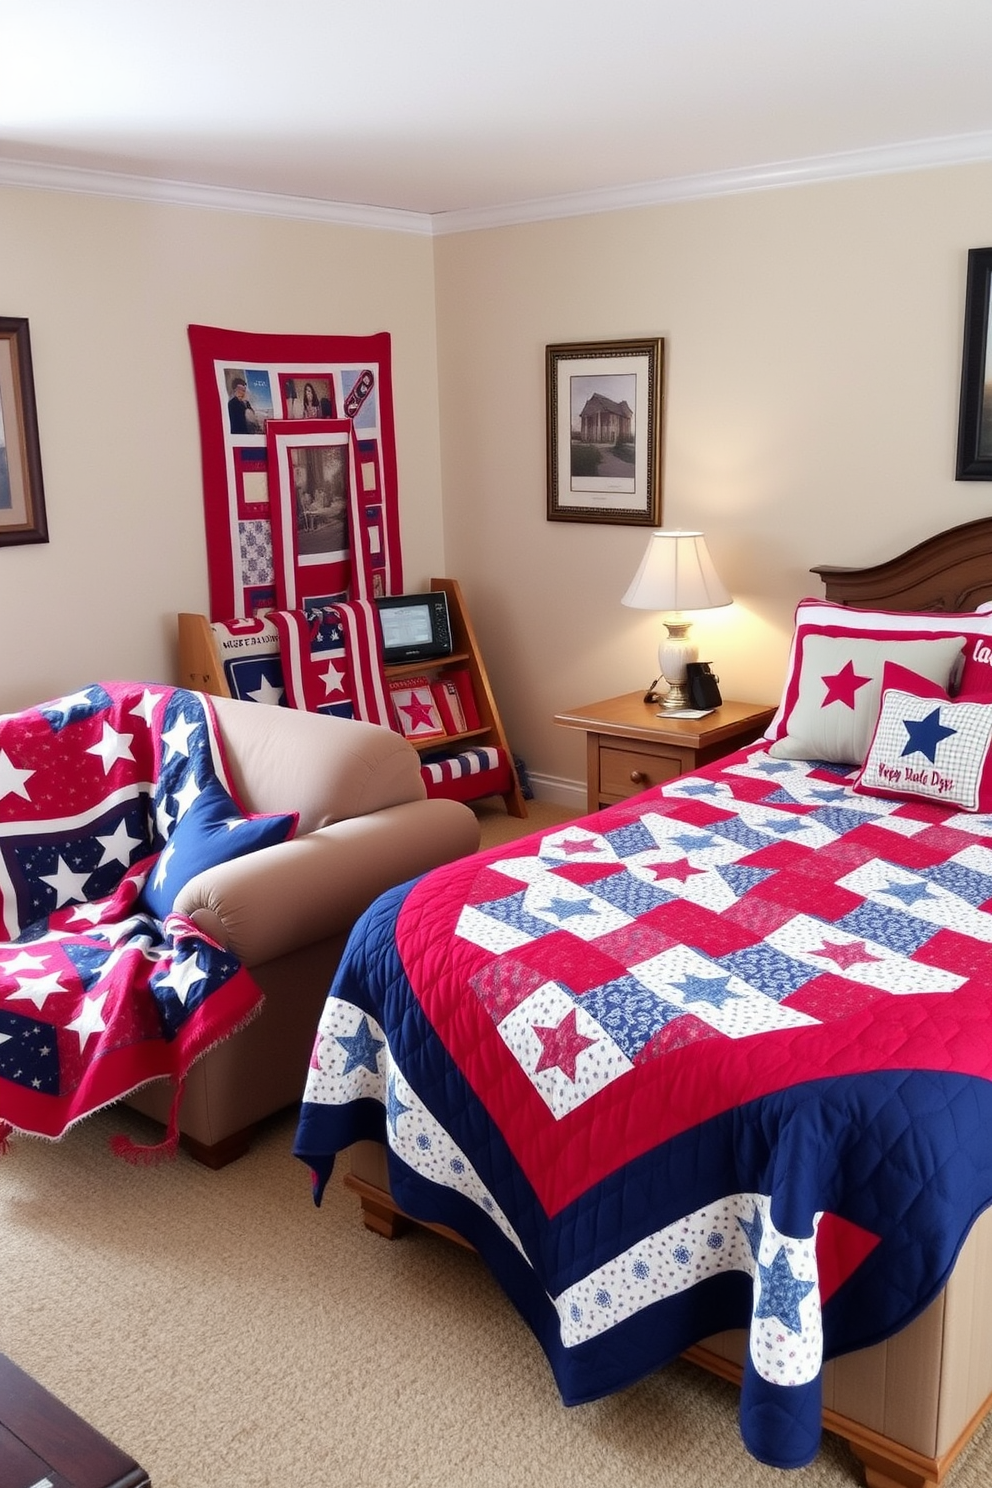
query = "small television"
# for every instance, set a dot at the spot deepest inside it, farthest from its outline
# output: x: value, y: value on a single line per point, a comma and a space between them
x: 415, y: 627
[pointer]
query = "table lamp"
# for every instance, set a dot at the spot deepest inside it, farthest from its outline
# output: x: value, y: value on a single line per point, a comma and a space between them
x: 676, y: 574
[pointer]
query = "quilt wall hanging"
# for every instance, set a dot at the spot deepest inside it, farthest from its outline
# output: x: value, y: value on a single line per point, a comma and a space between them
x: 299, y: 469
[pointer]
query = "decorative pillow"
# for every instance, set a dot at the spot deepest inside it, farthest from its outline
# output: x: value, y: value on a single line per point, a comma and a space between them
x: 823, y: 617
x: 211, y: 831
x: 833, y: 697
x: 249, y: 654
x: 926, y: 745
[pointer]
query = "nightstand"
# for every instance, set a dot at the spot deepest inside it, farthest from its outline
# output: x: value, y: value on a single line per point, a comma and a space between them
x: 630, y: 748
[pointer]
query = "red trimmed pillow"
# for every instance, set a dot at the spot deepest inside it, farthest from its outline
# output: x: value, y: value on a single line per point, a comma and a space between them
x: 833, y: 690
x: 928, y: 746
x: 823, y: 617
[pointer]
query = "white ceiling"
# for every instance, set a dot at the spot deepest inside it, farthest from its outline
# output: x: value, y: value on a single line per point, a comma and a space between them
x: 458, y: 107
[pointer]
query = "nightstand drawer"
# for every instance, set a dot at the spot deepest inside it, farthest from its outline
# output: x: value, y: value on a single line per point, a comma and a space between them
x: 626, y: 772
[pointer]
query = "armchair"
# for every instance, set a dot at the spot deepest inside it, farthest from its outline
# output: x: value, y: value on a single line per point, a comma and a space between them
x: 285, y: 911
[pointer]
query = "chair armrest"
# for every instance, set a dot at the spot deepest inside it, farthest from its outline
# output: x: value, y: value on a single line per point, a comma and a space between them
x: 280, y: 898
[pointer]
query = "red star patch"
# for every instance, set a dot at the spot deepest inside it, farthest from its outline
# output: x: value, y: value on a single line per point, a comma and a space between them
x: 846, y: 955
x: 842, y: 686
x: 679, y: 869
x: 580, y: 844
x: 561, y: 1046
x: 419, y: 710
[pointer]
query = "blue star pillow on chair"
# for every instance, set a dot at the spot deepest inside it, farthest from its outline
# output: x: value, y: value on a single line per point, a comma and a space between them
x: 213, y: 830
x: 928, y: 747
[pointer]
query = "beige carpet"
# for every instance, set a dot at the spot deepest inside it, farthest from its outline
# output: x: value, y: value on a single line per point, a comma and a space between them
x: 225, y: 1332
x: 498, y: 828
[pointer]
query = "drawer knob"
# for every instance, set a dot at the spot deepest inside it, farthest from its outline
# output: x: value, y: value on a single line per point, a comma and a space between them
x: 637, y: 777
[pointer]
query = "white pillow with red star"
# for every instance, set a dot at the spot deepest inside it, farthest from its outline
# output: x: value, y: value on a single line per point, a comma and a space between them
x: 833, y: 696
x: 927, y: 746
x: 822, y: 617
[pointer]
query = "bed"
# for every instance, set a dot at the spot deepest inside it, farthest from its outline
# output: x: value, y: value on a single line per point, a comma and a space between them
x: 710, y: 1072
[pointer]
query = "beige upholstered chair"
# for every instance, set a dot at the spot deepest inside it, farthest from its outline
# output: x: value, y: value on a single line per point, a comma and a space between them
x: 285, y: 911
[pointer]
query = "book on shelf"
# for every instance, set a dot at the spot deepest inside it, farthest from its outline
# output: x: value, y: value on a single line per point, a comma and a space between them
x: 456, y: 701
x: 416, y: 708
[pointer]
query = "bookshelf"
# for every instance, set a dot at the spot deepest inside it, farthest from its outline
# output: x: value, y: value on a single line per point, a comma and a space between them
x: 200, y: 668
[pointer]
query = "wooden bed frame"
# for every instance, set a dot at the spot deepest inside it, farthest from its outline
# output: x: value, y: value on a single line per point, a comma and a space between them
x: 908, y: 1406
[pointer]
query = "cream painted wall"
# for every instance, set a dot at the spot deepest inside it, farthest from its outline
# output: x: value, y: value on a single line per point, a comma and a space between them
x: 109, y: 288
x: 813, y: 342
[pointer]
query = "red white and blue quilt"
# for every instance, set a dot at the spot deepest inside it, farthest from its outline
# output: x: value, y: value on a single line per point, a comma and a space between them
x: 717, y: 1057
x: 98, y: 993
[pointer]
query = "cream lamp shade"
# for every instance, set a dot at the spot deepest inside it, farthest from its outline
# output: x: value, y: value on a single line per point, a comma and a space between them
x: 676, y: 574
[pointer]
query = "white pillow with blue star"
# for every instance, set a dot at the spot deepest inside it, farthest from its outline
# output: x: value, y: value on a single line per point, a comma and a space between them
x: 213, y: 830
x: 927, y: 747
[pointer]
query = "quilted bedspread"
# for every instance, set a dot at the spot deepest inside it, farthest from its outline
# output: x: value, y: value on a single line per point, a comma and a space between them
x: 716, y: 1057
x: 97, y: 996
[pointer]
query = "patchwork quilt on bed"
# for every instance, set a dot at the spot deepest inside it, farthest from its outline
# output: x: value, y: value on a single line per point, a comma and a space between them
x: 716, y: 1057
x: 97, y: 993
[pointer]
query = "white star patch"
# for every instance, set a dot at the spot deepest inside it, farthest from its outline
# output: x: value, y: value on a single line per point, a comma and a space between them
x: 183, y: 977
x: 267, y: 693
x: 176, y: 739
x: 38, y: 990
x: 146, y: 708
x: 12, y: 780
x: 332, y: 679
x: 90, y: 1019
x: 68, y: 885
x: 112, y: 747
x: 23, y: 961
x: 117, y: 848
x: 186, y: 795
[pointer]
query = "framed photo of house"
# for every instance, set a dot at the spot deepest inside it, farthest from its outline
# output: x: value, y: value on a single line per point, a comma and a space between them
x: 975, y: 414
x: 604, y: 414
x: 22, y: 500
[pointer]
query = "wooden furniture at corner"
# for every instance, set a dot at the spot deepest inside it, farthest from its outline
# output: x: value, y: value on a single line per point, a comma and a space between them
x: 43, y: 1441
x: 630, y: 748
x: 200, y: 669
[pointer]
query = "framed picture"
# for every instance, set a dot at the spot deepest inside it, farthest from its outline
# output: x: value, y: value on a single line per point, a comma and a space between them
x: 975, y: 414
x: 22, y: 499
x: 605, y: 431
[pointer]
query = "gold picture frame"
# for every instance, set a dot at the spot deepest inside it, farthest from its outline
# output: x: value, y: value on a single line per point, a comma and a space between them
x: 604, y: 418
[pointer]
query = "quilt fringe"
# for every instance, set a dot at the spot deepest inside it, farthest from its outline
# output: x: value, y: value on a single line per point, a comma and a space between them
x: 133, y: 1152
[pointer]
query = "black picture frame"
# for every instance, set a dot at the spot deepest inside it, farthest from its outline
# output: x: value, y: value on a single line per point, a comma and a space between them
x: 22, y: 497
x: 623, y: 483
x: 974, y: 455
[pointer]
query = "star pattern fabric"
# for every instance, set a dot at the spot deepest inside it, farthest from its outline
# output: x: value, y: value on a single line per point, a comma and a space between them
x: 842, y: 686
x: 666, y: 1069
x: 96, y: 997
x: 925, y: 734
x: 562, y: 1045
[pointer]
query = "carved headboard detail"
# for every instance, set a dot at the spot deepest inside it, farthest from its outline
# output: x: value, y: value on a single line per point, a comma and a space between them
x: 950, y: 571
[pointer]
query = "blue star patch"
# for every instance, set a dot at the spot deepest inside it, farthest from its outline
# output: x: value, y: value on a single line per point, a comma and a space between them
x: 925, y: 734
x: 362, y: 1049
x: 394, y: 1106
x: 781, y: 1293
x: 752, y: 1228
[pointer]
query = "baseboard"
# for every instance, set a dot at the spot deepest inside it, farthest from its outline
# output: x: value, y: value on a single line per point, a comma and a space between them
x: 558, y: 792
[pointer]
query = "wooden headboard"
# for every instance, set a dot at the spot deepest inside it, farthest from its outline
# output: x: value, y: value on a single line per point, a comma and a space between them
x: 950, y: 571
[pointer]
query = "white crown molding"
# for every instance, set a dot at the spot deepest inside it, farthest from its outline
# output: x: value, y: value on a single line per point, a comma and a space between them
x: 218, y: 198
x: 966, y: 149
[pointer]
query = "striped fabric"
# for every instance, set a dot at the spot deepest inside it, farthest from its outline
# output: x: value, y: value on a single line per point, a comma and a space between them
x: 468, y: 776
